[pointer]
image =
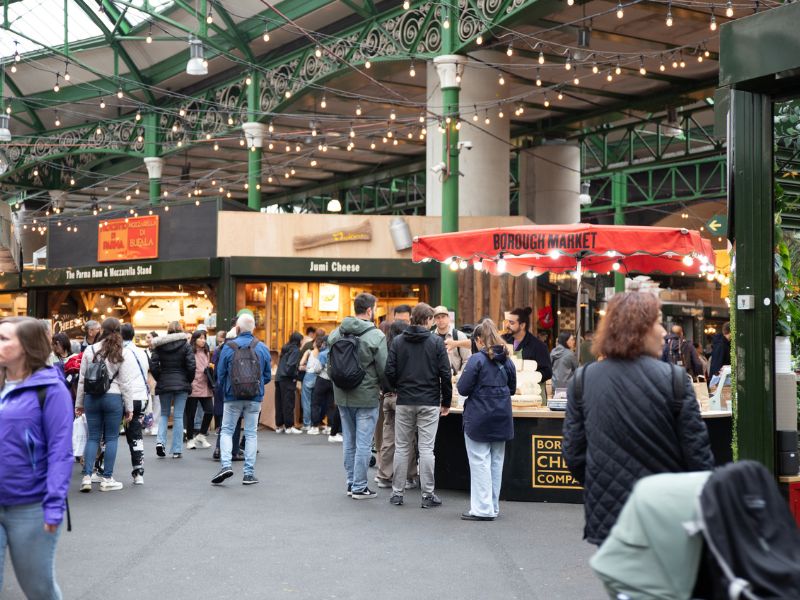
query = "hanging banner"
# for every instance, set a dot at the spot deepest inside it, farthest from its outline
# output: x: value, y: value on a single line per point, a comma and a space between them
x: 133, y: 238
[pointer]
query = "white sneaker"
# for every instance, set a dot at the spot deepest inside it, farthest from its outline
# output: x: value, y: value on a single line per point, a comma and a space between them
x: 201, y: 441
x: 294, y: 430
x: 336, y: 439
x: 96, y: 477
x: 109, y: 484
x: 306, y: 428
x: 313, y: 431
x: 325, y: 431
x: 138, y: 479
x: 190, y: 445
x: 280, y: 429
x: 86, y: 484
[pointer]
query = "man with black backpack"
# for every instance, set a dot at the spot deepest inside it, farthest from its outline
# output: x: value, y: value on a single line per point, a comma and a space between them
x: 356, y: 361
x: 244, y: 369
x: 680, y: 351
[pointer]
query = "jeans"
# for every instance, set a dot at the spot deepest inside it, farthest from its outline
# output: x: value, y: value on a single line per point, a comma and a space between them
x: 485, y: 476
x: 32, y: 549
x: 358, y: 426
x: 306, y: 391
x: 248, y: 409
x: 133, y: 434
x: 387, y: 448
x: 103, y: 418
x: 168, y: 399
x: 424, y: 421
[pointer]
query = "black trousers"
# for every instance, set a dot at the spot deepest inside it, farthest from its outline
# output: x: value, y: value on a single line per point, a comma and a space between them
x: 133, y: 434
x: 191, y: 411
x: 321, y: 401
x: 285, y: 396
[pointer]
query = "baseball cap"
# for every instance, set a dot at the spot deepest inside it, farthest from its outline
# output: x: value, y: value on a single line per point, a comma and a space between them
x: 440, y: 310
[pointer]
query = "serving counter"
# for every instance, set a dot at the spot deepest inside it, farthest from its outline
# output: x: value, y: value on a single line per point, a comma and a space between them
x: 534, y: 470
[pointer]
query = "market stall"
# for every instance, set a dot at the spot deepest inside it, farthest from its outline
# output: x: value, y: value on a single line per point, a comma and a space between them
x: 534, y: 469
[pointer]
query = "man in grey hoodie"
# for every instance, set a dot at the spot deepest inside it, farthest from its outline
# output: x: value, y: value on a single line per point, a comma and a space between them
x: 359, y: 406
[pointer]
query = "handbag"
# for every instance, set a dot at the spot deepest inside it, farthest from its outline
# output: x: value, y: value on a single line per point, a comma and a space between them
x: 701, y: 392
x: 80, y: 433
x: 210, y: 377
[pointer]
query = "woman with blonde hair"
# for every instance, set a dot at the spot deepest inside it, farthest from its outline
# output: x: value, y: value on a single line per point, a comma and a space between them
x: 488, y: 381
x: 629, y: 415
x: 36, y: 430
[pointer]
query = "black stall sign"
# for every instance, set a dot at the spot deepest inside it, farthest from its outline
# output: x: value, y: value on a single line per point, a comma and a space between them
x: 549, y: 467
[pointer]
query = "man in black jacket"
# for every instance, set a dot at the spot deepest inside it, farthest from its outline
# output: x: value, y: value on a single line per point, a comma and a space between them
x: 418, y: 368
x: 720, y: 350
x: 518, y: 323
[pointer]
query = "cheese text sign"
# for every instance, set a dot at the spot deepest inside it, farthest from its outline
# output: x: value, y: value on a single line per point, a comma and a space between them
x: 549, y: 467
x: 134, y: 238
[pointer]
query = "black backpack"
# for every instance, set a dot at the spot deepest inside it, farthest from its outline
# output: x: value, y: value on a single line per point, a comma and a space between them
x: 675, y: 351
x: 96, y: 381
x: 245, y: 371
x: 344, y: 367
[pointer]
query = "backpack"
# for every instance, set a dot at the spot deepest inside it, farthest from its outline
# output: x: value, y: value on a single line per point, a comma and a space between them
x: 675, y: 351
x: 245, y: 371
x: 344, y: 367
x: 96, y: 381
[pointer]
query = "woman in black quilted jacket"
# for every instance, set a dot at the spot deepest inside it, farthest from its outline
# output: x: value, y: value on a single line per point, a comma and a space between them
x: 172, y: 366
x: 632, y: 415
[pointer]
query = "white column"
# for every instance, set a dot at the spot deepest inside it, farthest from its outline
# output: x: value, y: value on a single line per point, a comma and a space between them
x: 483, y: 188
x: 549, y: 183
x: 155, y: 166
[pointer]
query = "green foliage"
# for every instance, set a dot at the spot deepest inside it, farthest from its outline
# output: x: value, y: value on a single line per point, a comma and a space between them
x: 787, y: 276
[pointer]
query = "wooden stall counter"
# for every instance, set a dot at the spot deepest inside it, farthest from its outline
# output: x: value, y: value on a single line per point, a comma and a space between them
x: 534, y: 470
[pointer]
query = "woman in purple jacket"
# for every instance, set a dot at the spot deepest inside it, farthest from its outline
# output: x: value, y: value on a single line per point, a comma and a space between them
x: 36, y: 446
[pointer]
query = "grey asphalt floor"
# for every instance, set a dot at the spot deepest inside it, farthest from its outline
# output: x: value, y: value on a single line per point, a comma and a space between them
x: 297, y: 535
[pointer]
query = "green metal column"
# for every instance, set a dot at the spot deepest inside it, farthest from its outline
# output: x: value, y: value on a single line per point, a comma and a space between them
x: 450, y: 105
x: 619, y: 198
x: 254, y: 153
x: 151, y: 149
x: 752, y: 166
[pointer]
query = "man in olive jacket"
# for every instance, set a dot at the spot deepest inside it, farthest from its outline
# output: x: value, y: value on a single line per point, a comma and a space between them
x: 359, y: 406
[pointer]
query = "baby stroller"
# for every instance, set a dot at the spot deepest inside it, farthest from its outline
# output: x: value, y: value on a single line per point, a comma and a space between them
x: 726, y: 535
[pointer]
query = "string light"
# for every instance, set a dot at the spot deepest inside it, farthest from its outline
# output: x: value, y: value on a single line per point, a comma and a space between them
x: 642, y: 70
x: 479, y: 40
x: 713, y: 24
x: 487, y: 120
x: 56, y: 87
x: 406, y: 4
x: 500, y: 113
x: 538, y: 78
x: 66, y: 71
x: 265, y: 37
x: 595, y: 69
x: 729, y: 9
x: 510, y: 50
x: 120, y: 94
x: 541, y: 57
x: 358, y: 110
x: 318, y: 52
x: 57, y: 121
x: 324, y: 103
x: 661, y: 66
x: 546, y: 101
x: 248, y: 80
x: 609, y: 77
x: 209, y: 17
x: 149, y: 38
x: 412, y: 72
x: 568, y: 63
x: 560, y: 95
x: 669, y: 14
x: 102, y: 103
x: 501, y: 80
x: 620, y: 12
x: 367, y: 64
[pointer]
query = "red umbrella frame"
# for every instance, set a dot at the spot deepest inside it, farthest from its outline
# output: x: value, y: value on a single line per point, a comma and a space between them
x: 535, y: 249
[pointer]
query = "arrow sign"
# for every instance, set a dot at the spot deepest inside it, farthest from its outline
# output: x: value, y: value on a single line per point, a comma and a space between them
x: 718, y: 224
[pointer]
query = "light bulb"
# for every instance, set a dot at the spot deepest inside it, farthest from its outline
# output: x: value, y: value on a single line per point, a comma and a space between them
x: 560, y: 96
x: 620, y: 12
x: 475, y: 117
x: 103, y: 103
x: 541, y: 57
x: 367, y: 64
x: 393, y: 115
x: 318, y: 52
x: 688, y: 261
x: 595, y: 69
x: 510, y: 50
x: 729, y: 9
x: 149, y: 39
x: 446, y: 23
x: 576, y: 80
x: 209, y: 18
x: 323, y: 103
x: 119, y: 93
x: 358, y: 110
x: 406, y: 4
x: 538, y: 79
x: 642, y: 70
x: 661, y: 66
x: 287, y: 94
x: 57, y: 122
x: 530, y: 274
x: 478, y: 265
x: 412, y: 72
x: 13, y: 68
x: 713, y: 25
x: 501, y: 265
x: 479, y: 40
x: 546, y: 102
x: 453, y: 266
x: 616, y: 266
x: 248, y: 80
x: 501, y: 80
x: 568, y: 64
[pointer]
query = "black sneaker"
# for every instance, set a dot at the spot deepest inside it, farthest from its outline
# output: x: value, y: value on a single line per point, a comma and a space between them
x: 160, y: 451
x: 222, y: 475
x: 431, y: 501
x: 350, y: 490
x: 249, y: 480
x: 396, y: 499
x: 364, y: 494
x: 216, y: 454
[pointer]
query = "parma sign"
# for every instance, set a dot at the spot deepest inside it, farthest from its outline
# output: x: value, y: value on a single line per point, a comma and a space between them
x: 134, y: 238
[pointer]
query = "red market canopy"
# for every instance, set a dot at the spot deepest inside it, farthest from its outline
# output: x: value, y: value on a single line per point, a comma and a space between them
x: 534, y: 249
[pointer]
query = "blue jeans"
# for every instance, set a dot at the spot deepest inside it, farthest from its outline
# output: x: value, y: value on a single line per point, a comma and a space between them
x: 306, y: 393
x: 103, y: 418
x: 168, y: 400
x: 358, y: 427
x: 32, y: 549
x: 249, y: 410
x: 485, y: 476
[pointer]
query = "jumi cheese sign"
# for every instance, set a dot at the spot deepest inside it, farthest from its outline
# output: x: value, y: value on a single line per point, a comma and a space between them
x: 549, y: 467
x: 133, y: 238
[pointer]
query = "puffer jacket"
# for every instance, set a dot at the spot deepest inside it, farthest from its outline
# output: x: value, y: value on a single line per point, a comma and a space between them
x: 36, y: 444
x: 288, y: 363
x: 172, y: 364
x: 418, y: 368
x: 125, y: 376
x: 488, y: 384
x: 628, y: 425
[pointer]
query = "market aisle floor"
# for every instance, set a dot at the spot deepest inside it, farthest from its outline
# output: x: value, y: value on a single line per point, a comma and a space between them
x: 297, y: 535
